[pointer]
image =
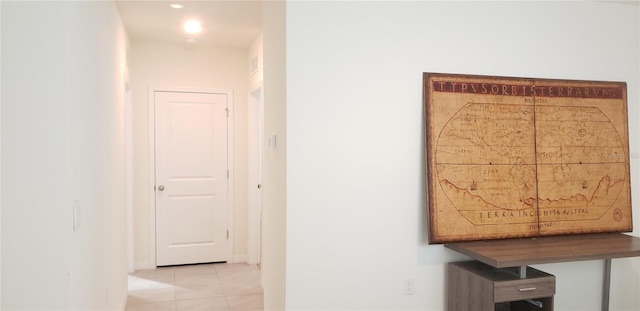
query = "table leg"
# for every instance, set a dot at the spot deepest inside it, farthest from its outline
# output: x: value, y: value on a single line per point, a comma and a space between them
x: 606, y: 285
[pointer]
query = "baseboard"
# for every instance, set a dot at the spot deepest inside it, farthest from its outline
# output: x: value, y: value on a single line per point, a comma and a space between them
x: 143, y: 265
x: 124, y: 300
x: 240, y: 258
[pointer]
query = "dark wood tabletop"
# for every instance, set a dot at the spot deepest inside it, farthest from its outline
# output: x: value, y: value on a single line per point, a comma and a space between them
x: 540, y: 250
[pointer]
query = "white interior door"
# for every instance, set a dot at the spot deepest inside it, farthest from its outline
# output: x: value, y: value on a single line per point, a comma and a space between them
x: 191, y: 177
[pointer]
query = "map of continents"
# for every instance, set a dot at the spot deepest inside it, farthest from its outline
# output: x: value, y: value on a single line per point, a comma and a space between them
x: 513, y: 158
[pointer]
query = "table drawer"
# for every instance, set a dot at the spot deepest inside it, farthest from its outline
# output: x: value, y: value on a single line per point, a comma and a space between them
x: 524, y: 289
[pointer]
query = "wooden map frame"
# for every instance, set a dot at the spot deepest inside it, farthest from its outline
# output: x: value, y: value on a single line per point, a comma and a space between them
x: 524, y: 157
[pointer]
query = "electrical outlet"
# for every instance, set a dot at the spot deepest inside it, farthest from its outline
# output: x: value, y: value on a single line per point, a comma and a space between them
x: 409, y: 286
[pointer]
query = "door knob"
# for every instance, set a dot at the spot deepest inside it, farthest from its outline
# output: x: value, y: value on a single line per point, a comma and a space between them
x: 161, y: 188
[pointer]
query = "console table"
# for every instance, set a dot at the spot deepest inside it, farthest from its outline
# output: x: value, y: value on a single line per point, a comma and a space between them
x: 541, y: 250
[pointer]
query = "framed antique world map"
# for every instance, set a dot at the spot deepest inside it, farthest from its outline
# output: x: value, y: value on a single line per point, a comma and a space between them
x: 522, y: 157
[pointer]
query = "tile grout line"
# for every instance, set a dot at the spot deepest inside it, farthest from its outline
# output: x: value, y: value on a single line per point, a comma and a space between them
x: 175, y: 294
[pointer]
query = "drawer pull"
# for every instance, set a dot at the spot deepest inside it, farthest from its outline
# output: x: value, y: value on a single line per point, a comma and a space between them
x: 527, y: 289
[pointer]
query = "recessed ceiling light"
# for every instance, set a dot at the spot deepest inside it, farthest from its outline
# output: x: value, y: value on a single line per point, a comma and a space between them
x: 192, y: 26
x: 176, y: 6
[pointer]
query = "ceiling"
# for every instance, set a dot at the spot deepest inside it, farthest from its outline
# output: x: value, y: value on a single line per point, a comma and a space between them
x: 231, y: 23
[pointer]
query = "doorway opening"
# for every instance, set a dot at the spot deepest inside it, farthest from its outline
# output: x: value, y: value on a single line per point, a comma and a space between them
x: 254, y: 166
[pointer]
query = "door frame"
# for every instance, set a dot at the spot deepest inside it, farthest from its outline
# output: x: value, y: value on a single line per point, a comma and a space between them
x: 254, y: 168
x: 128, y: 170
x: 152, y: 162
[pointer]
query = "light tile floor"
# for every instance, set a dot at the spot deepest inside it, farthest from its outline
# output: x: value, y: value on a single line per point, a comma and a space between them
x: 218, y: 286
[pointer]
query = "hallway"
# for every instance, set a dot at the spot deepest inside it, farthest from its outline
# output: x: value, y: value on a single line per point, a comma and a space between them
x: 218, y: 286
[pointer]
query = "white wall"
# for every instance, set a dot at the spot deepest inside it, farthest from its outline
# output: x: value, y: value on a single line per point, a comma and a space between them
x: 274, y: 180
x: 255, y: 55
x: 62, y: 142
x: 0, y: 156
x: 355, y: 172
x: 157, y: 64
